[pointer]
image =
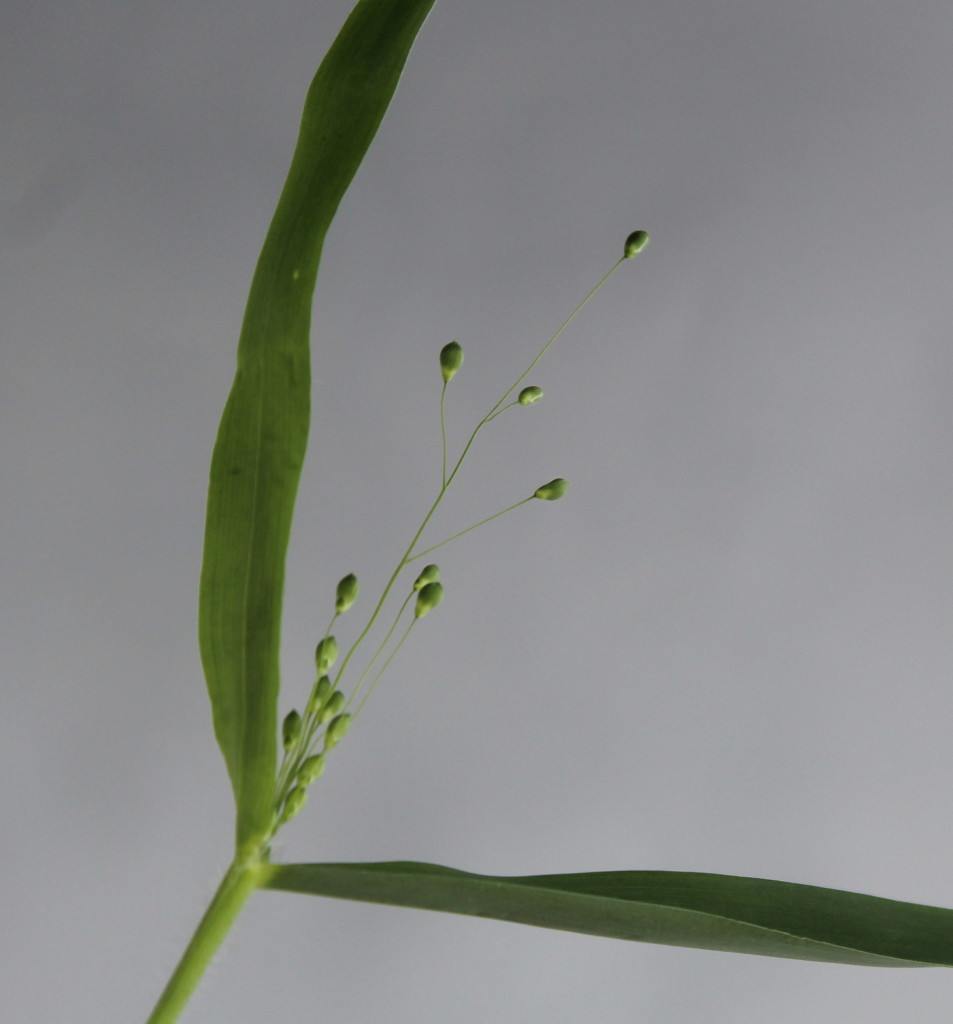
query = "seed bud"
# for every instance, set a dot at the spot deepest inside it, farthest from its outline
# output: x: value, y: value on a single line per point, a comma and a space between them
x: 295, y: 800
x: 290, y: 729
x: 431, y: 594
x: 451, y: 359
x: 337, y: 727
x: 430, y: 574
x: 529, y: 395
x: 346, y: 593
x: 635, y: 243
x: 553, y: 490
x: 313, y: 768
x: 326, y: 654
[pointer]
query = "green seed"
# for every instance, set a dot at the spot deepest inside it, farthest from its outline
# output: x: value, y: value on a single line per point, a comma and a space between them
x: 290, y: 729
x: 529, y: 395
x: 337, y: 727
x: 295, y: 800
x: 326, y: 654
x: 431, y: 594
x: 553, y: 490
x: 430, y: 574
x: 635, y: 243
x: 346, y: 593
x: 451, y: 359
x: 313, y: 768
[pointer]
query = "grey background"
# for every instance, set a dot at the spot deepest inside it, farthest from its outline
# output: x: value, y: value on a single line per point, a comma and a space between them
x: 728, y: 649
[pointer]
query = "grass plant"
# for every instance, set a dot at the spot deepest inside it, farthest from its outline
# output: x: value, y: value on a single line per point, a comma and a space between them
x: 272, y: 765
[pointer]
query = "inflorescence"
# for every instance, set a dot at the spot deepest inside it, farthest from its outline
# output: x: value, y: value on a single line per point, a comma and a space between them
x: 308, y: 737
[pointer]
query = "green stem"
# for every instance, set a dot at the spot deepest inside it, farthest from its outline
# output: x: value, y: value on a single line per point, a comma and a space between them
x: 443, y: 433
x: 240, y: 881
x: 482, y: 522
x: 569, y: 319
x: 386, y: 665
x: 379, y: 651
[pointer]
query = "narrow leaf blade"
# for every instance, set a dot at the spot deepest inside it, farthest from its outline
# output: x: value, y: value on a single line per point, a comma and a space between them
x: 259, y: 450
x: 702, y: 911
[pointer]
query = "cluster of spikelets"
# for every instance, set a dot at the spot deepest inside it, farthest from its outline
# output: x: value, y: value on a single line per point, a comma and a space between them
x: 325, y: 720
x: 308, y: 738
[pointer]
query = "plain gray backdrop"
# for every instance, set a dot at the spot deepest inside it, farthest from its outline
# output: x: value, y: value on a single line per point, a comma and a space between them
x: 727, y: 649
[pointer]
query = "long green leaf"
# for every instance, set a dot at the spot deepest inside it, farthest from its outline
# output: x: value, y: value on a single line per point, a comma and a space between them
x: 261, y: 440
x: 703, y: 911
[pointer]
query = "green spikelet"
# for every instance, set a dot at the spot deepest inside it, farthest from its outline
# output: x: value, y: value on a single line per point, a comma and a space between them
x: 346, y: 593
x: 530, y: 395
x: 429, y: 596
x: 290, y: 729
x: 320, y: 693
x: 334, y: 704
x: 337, y: 727
x: 451, y: 359
x: 553, y: 490
x: 294, y: 802
x: 429, y: 574
x: 326, y: 654
x: 635, y: 243
x: 311, y: 769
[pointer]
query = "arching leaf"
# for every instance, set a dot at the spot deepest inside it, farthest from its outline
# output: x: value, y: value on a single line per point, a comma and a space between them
x: 703, y: 911
x: 261, y: 440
